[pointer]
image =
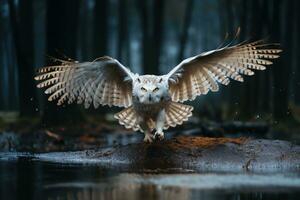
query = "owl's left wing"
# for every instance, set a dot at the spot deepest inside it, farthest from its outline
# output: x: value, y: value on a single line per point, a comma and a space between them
x: 104, y: 81
x: 202, y: 73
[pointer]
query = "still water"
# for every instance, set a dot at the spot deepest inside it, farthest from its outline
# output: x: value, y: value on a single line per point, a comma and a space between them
x: 38, y: 180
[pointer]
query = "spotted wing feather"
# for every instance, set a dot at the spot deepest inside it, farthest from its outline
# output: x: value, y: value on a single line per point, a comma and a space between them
x: 176, y: 114
x: 89, y: 83
x: 200, y: 74
x: 128, y: 118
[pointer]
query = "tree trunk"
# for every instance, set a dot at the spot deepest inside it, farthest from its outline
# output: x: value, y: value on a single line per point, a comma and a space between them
x: 297, y: 55
x: 151, y: 36
x: 231, y: 92
x: 256, y: 30
x: 288, y: 55
x: 83, y: 48
x: 158, y: 13
x: 230, y: 16
x: 100, y: 28
x: 265, y: 104
x: 243, y: 89
x: 185, y: 29
x: 145, y: 32
x: 280, y: 73
x: 22, y: 23
x: 61, y: 36
x: 123, y: 30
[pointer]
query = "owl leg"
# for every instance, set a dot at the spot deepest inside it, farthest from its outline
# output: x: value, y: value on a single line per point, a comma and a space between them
x: 160, y: 123
x: 148, y: 135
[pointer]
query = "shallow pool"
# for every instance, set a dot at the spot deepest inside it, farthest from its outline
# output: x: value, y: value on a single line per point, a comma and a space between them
x: 25, y: 179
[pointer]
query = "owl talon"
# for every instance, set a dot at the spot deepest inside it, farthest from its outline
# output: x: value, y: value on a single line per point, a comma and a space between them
x: 148, y: 138
x: 159, y: 135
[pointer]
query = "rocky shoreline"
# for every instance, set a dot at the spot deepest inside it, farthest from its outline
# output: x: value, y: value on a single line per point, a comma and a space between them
x: 190, y: 153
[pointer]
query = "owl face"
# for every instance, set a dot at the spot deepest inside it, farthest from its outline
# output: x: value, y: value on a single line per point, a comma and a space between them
x: 150, y: 89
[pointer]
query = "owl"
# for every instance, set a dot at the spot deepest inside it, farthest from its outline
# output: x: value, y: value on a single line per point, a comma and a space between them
x: 152, y: 103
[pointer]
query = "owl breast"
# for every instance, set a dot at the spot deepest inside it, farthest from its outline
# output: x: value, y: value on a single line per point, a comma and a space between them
x: 148, y: 110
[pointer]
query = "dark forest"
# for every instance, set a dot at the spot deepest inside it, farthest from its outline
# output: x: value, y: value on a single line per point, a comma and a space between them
x: 149, y: 37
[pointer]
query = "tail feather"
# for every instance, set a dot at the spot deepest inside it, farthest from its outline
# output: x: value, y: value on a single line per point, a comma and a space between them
x: 176, y: 114
x: 128, y: 118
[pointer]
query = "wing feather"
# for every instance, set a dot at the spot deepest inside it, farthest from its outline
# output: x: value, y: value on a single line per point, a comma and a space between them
x: 104, y: 81
x: 200, y: 74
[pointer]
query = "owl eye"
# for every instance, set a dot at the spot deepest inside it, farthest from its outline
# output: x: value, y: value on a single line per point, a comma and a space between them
x: 144, y: 89
x: 155, y: 89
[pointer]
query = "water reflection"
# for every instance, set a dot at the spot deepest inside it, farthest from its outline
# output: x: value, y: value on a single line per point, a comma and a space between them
x: 35, y: 180
x: 146, y: 192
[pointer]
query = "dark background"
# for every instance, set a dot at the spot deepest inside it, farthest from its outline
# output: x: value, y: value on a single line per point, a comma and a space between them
x: 149, y: 36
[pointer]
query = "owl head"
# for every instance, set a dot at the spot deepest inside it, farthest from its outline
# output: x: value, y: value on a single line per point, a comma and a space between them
x: 150, y: 89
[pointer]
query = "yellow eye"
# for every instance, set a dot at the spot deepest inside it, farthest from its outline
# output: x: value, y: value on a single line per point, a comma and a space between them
x: 156, y: 89
x: 144, y: 89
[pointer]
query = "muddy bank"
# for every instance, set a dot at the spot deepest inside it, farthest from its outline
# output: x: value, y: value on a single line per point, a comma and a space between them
x: 187, y: 153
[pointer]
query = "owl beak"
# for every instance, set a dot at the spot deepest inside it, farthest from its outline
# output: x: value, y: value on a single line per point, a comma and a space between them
x: 150, y: 98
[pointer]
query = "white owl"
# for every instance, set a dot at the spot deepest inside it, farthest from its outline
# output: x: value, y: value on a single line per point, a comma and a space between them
x: 152, y: 102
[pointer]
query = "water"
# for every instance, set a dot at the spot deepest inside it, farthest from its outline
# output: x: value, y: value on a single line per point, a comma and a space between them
x: 39, y: 180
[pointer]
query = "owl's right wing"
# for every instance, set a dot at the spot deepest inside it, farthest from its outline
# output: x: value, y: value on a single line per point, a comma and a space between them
x: 104, y: 81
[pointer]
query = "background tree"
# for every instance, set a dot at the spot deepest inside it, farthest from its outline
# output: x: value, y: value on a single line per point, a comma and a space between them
x: 101, y: 13
x: 150, y: 36
x: 61, y: 37
x: 152, y: 29
x: 22, y: 24
x: 186, y: 25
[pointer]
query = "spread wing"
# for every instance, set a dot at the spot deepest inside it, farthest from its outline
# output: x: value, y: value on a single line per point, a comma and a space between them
x: 104, y: 81
x: 202, y: 73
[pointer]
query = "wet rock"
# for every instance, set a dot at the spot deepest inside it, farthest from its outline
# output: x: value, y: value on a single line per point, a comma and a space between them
x: 189, y: 153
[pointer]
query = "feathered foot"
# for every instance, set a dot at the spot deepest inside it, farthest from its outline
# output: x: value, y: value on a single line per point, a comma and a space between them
x: 148, y: 138
x: 159, y: 135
